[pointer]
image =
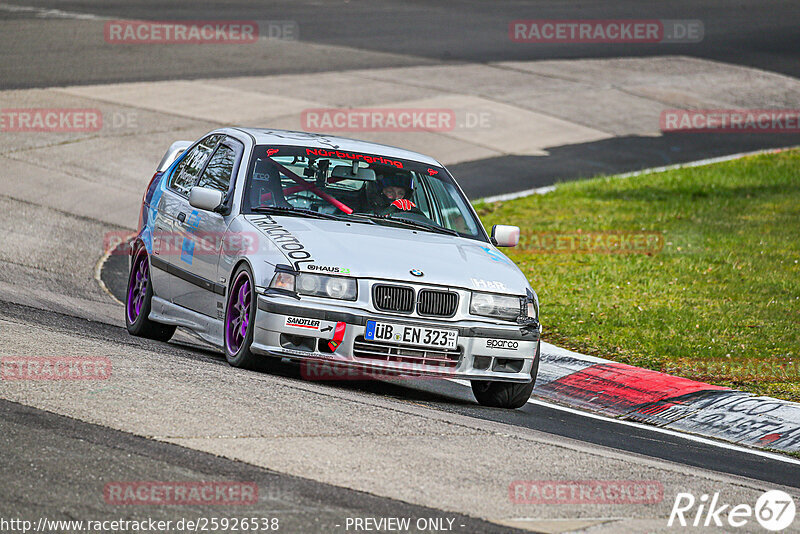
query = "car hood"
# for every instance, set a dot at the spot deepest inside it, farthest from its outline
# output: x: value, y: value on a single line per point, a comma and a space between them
x: 385, y: 252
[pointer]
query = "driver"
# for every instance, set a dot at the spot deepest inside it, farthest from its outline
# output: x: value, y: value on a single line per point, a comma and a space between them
x: 395, y: 194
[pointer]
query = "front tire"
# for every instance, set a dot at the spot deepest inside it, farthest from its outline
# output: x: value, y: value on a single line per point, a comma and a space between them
x: 138, y: 301
x: 240, y: 314
x: 506, y: 394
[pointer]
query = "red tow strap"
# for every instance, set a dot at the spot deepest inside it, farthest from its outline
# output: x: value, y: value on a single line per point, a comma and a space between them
x: 338, y: 336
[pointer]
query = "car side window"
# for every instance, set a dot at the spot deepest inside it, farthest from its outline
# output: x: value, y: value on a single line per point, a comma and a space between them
x: 452, y: 207
x: 420, y: 198
x: 219, y: 170
x: 187, y: 171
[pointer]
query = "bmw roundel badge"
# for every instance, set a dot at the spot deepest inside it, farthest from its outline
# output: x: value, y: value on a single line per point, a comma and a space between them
x: 416, y: 272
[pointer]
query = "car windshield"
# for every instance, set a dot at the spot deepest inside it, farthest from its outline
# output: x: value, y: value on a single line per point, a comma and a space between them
x: 358, y: 187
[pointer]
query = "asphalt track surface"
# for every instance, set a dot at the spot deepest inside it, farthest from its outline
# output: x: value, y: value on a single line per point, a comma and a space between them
x: 41, y: 446
x: 52, y: 462
x: 457, y: 398
x: 55, y: 452
x: 47, y: 43
x: 749, y: 33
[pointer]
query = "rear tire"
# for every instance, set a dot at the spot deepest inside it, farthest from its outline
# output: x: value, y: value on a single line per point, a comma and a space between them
x: 138, y: 301
x: 506, y: 394
x: 240, y: 314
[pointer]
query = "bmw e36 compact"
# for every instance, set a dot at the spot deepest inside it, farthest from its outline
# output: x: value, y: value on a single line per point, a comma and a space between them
x: 279, y: 244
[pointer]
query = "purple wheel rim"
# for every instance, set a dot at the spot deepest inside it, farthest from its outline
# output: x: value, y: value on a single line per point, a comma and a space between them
x: 137, y: 285
x: 237, y: 316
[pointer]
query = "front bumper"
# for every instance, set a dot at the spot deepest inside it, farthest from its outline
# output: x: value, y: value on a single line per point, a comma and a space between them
x: 301, y: 329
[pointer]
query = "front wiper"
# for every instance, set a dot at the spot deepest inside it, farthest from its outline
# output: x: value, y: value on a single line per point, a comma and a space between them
x: 300, y: 212
x: 282, y: 210
x: 417, y: 224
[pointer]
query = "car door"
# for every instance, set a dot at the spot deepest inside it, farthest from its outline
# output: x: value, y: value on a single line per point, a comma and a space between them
x: 173, y: 207
x: 159, y: 274
x: 203, y: 232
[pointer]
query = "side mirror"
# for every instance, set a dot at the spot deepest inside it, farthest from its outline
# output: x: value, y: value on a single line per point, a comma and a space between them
x: 205, y: 198
x: 505, y: 236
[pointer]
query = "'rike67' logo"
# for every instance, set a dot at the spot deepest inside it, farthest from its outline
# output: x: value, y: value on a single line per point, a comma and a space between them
x: 774, y: 510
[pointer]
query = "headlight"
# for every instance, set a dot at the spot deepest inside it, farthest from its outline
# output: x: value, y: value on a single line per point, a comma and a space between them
x: 320, y: 285
x: 497, y: 306
x: 533, y: 305
x: 283, y: 280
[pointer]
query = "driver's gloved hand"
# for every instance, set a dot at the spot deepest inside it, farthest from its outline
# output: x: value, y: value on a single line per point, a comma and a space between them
x: 404, y: 204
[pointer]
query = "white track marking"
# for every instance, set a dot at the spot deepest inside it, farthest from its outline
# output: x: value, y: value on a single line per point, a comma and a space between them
x: 46, y: 13
x: 698, y: 163
x: 518, y: 194
x: 669, y: 432
x: 98, y: 269
x: 691, y: 437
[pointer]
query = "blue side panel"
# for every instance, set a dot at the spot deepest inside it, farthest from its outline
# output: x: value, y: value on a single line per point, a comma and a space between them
x: 496, y: 256
x: 149, y: 212
x: 187, y: 250
x: 152, y: 197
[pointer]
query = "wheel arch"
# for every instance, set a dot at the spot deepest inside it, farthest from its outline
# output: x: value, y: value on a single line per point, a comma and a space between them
x: 229, y: 286
x: 238, y: 263
x: 136, y: 244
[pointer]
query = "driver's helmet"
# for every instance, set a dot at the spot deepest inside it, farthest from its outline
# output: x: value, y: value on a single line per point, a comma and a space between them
x: 397, y: 179
x: 390, y: 179
x: 386, y: 176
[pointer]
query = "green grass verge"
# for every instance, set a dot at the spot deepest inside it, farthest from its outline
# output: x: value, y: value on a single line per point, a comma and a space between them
x: 719, y: 303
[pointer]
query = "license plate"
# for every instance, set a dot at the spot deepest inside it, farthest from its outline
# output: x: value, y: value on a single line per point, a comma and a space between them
x: 403, y: 334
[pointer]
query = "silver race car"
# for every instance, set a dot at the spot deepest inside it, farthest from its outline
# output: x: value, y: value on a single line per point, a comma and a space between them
x: 326, y: 250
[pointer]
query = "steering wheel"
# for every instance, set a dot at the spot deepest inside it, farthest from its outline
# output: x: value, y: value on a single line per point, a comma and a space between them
x: 411, y: 216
